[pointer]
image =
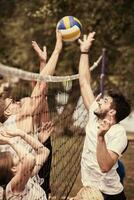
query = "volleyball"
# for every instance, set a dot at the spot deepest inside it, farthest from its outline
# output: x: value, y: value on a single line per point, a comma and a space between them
x: 70, y: 28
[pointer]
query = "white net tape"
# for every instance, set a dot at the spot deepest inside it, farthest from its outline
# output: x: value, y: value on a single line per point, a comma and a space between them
x: 25, y: 75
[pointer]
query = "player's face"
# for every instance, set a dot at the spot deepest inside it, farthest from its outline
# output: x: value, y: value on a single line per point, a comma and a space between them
x: 104, y: 105
x: 11, y: 107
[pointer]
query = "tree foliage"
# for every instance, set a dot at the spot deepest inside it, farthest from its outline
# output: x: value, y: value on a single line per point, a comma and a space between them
x: 24, y: 21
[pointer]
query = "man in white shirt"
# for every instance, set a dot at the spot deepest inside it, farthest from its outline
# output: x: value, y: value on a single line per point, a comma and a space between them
x: 105, y: 138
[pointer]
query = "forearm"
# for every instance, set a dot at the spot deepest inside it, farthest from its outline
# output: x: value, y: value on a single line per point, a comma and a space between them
x: 85, y: 82
x: 26, y: 163
x: 40, y: 159
x: 38, y: 90
x: 84, y: 70
x: 49, y: 69
x: 103, y: 157
x: 19, y: 149
x: 37, y: 98
x: 42, y: 65
x: 41, y: 151
x: 34, y: 143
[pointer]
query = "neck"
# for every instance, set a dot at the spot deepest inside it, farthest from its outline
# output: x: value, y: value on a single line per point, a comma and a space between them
x: 100, y: 116
x: 106, y: 116
x: 111, y: 119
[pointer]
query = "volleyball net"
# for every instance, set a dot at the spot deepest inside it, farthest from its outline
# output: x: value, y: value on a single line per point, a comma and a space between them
x: 66, y: 110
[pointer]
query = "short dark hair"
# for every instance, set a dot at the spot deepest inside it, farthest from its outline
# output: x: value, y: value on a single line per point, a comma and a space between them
x: 120, y: 104
x: 2, y: 106
x: 6, y: 163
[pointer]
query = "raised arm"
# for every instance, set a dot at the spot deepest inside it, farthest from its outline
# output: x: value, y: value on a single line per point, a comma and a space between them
x: 25, y: 166
x: 106, y: 158
x: 31, y: 104
x: 44, y: 114
x: 46, y: 69
x: 84, y: 70
x: 42, y: 54
x: 45, y: 132
x: 41, y: 151
x: 49, y: 69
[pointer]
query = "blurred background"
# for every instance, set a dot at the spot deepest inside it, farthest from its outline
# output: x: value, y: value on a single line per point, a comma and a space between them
x: 24, y: 21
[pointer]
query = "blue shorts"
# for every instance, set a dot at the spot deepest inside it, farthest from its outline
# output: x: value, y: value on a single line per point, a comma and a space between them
x: 120, y: 196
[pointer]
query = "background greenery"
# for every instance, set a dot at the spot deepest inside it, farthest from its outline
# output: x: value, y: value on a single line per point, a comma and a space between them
x: 27, y: 20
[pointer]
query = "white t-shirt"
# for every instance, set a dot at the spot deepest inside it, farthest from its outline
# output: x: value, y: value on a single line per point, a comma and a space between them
x: 32, y: 191
x: 11, y: 123
x: 116, y: 141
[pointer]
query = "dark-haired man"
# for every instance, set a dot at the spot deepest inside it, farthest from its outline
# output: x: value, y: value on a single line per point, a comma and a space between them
x: 105, y: 138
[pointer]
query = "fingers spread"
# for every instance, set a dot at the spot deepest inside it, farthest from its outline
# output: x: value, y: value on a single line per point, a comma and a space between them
x: 91, y: 36
x: 79, y: 41
x: 36, y: 46
x: 44, y: 49
x: 84, y: 37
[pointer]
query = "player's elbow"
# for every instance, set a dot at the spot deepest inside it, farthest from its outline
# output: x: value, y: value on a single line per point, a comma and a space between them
x: 105, y: 168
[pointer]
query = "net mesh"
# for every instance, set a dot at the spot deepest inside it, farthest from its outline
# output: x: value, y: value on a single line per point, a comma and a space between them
x: 66, y: 110
x: 70, y: 118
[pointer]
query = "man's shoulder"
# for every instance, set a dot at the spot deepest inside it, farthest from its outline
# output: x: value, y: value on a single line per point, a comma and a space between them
x: 117, y: 131
x: 118, y: 127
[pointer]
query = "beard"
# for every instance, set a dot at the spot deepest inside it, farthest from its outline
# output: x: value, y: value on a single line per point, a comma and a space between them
x: 100, y: 115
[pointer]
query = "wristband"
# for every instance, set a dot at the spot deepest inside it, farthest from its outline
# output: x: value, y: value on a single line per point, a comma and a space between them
x: 82, y: 52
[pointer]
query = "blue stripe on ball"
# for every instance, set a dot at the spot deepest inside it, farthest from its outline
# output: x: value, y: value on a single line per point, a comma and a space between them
x: 61, y: 25
x: 77, y: 24
x: 74, y: 22
x: 71, y: 20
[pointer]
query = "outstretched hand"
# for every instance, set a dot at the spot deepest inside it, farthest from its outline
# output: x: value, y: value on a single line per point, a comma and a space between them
x: 46, y: 130
x: 41, y: 53
x: 86, y: 43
